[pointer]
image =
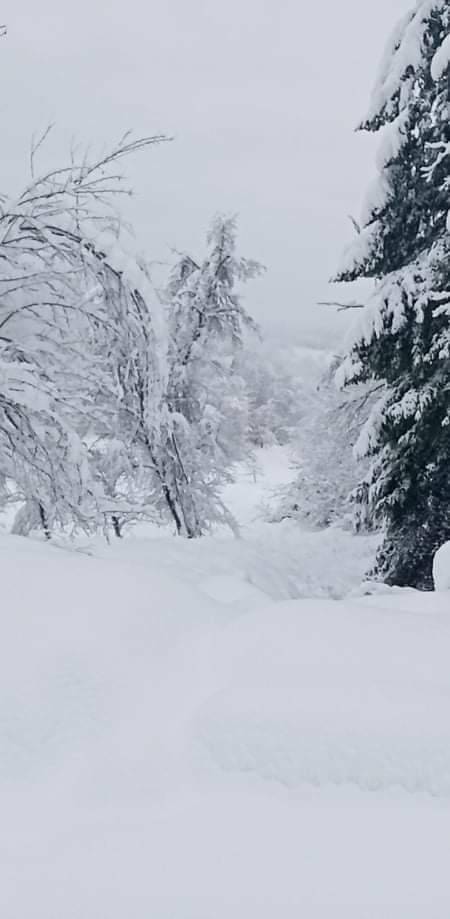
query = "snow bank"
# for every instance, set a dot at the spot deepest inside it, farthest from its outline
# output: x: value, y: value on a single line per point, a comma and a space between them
x: 441, y: 568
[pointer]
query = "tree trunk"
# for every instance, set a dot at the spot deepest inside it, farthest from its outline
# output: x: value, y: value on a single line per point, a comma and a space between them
x: 44, y: 521
x: 117, y: 526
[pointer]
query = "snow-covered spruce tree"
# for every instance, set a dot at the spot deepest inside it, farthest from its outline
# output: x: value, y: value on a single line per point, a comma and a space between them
x: 405, y: 337
x: 188, y: 420
x: 62, y: 303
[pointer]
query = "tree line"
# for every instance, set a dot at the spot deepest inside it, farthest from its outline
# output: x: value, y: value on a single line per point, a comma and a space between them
x: 119, y: 402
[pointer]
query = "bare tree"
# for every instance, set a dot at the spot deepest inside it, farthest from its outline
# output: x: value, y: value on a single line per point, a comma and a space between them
x: 64, y: 291
x: 179, y: 410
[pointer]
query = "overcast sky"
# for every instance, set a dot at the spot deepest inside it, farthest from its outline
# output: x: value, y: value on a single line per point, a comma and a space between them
x: 261, y: 97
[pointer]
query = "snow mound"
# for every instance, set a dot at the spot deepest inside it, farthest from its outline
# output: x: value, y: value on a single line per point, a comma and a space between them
x: 441, y: 568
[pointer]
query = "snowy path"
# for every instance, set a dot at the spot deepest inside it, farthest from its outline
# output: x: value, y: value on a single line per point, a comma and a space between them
x: 178, y: 746
x: 269, y: 561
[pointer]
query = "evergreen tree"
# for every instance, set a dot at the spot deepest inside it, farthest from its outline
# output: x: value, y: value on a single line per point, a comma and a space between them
x: 404, y: 341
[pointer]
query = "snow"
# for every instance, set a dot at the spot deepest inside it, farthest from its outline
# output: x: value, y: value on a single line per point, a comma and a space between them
x: 376, y: 199
x: 370, y: 430
x: 408, y: 288
x: 185, y: 733
x: 404, y: 54
x: 279, y: 562
x: 441, y: 60
x: 393, y: 136
x: 441, y: 568
x: 360, y: 249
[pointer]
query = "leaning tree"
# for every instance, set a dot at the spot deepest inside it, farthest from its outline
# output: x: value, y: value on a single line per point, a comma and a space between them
x: 67, y: 294
x: 184, y: 414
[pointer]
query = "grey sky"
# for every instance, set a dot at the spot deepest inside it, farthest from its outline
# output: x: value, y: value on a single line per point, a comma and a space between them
x: 261, y: 97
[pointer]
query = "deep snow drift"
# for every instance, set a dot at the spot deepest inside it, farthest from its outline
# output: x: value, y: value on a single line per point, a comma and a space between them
x: 179, y: 740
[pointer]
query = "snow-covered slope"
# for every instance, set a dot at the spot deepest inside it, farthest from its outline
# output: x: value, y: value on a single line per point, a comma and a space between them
x: 179, y: 742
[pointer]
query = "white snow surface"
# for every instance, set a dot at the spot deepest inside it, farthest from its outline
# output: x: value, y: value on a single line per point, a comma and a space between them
x: 186, y: 734
x: 441, y: 568
x: 404, y: 53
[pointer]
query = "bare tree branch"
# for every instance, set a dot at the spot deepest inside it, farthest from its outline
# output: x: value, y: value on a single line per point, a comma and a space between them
x: 341, y: 306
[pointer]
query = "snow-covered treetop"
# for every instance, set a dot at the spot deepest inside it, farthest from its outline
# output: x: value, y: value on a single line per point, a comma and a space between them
x: 406, y: 208
x: 205, y: 298
x: 404, y: 54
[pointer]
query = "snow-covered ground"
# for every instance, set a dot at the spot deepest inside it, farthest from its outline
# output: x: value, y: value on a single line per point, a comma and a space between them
x: 199, y: 730
x: 276, y: 562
